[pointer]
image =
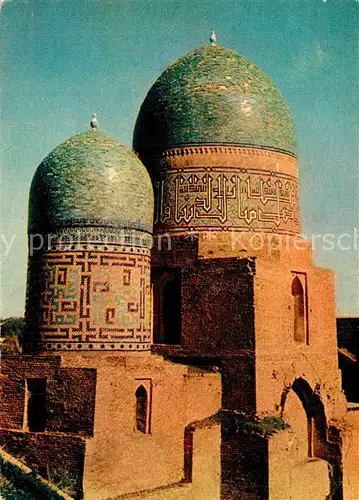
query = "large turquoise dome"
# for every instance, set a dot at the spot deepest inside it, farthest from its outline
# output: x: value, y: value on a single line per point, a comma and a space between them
x: 91, y: 180
x: 213, y: 95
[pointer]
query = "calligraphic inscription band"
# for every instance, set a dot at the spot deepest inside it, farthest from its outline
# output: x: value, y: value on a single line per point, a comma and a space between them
x: 236, y: 199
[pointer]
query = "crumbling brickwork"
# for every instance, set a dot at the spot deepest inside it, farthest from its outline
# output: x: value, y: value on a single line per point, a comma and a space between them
x: 56, y: 457
x: 70, y: 394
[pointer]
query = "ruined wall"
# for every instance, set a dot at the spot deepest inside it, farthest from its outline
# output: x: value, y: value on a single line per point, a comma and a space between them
x: 294, y: 478
x: 293, y: 473
x: 57, y: 453
x: 244, y: 465
x: 216, y: 316
x: 120, y: 459
x: 203, y: 394
x: 70, y: 394
x: 58, y: 458
x: 217, y: 313
x: 205, y: 484
x: 280, y: 358
x: 115, y: 451
x: 206, y: 476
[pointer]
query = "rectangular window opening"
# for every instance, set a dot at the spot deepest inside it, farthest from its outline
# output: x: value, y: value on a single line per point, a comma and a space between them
x: 188, y: 456
x: 36, y: 408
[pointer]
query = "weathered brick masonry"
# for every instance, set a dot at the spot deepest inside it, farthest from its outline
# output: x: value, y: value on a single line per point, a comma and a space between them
x: 211, y: 373
x: 70, y: 394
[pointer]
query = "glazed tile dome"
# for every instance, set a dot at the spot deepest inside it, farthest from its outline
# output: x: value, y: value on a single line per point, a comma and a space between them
x: 90, y: 180
x: 213, y: 95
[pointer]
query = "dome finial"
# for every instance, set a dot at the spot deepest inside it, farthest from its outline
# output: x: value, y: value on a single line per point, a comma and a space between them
x: 94, y: 121
x: 213, y: 38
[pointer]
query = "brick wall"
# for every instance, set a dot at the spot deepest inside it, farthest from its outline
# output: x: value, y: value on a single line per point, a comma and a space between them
x: 244, y: 466
x: 58, y: 458
x: 70, y: 394
x: 217, y: 316
x: 238, y: 383
x: 217, y: 311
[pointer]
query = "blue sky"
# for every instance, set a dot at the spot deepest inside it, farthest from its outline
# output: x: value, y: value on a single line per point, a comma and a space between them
x: 61, y: 60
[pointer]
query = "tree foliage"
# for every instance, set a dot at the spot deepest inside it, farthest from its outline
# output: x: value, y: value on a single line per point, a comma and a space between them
x: 12, y: 335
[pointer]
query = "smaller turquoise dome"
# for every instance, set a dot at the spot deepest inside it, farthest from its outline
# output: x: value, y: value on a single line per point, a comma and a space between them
x: 91, y: 180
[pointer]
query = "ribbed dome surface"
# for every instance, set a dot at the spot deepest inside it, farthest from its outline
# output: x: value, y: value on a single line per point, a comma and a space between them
x: 90, y: 180
x: 213, y: 95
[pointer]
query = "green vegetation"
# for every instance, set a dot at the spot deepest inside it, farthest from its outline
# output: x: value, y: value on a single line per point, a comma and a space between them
x: 12, y: 330
x: 11, y: 492
x: 18, y: 482
x: 64, y: 481
x: 253, y: 425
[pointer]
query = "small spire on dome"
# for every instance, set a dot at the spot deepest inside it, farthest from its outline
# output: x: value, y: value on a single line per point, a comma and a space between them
x: 213, y: 38
x: 94, y: 121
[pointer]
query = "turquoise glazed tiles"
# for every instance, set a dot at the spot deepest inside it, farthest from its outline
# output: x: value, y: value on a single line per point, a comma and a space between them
x: 90, y: 180
x: 213, y: 95
x: 90, y: 225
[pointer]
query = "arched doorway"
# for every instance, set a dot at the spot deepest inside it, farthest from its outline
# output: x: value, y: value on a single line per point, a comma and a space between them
x: 316, y: 420
x: 315, y: 432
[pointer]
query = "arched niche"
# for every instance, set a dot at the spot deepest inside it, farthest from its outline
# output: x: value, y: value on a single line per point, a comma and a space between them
x: 141, y: 410
x: 167, y: 307
x: 314, y: 412
x: 298, y: 310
